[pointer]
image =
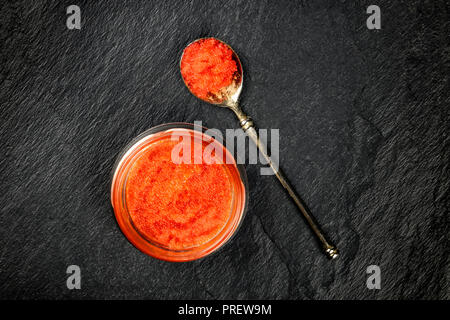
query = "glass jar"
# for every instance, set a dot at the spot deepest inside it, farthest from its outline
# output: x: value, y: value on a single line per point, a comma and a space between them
x: 122, y: 167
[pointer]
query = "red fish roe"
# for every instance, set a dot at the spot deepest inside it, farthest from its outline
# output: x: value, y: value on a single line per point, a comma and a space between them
x: 178, y: 206
x: 207, y: 67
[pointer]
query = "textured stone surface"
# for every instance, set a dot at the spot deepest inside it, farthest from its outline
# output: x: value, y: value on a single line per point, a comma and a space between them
x: 363, y: 118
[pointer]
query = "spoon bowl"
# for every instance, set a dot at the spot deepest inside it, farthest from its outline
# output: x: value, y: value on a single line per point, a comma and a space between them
x: 228, y: 96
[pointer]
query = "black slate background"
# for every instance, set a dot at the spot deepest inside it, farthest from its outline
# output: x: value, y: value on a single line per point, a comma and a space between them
x: 363, y: 118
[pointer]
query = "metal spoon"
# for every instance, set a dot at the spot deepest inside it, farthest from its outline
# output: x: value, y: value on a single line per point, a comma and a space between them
x: 229, y: 98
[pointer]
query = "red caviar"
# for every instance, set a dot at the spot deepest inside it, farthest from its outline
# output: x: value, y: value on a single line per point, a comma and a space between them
x: 173, y: 210
x: 207, y: 66
x: 177, y: 205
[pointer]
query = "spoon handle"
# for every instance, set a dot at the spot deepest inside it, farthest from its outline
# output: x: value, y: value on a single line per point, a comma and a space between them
x: 249, y: 128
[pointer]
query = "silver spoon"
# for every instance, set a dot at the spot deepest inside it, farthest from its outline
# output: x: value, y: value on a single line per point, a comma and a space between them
x: 229, y: 98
